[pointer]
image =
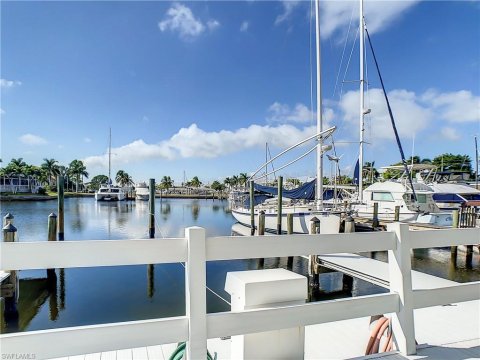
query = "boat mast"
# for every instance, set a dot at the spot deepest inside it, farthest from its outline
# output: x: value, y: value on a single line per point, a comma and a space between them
x: 362, y: 105
x: 319, y: 187
x: 109, y: 157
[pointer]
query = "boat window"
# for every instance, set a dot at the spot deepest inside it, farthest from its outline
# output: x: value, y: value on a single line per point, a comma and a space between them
x: 103, y: 190
x: 422, y: 198
x: 114, y: 190
x: 382, y: 196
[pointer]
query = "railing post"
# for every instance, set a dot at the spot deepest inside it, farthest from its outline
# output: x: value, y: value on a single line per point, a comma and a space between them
x: 400, y: 270
x: 195, y: 285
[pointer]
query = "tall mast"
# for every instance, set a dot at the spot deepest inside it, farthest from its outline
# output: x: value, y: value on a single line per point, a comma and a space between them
x: 109, y: 157
x: 476, y: 163
x: 319, y: 187
x: 362, y: 105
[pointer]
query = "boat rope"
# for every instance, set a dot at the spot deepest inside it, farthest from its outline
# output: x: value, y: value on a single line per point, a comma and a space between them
x: 213, y: 292
x: 348, y: 63
x: 373, y: 347
x: 399, y: 144
x: 161, y: 235
x: 343, y: 53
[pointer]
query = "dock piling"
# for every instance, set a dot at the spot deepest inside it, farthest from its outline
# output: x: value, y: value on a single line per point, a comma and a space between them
x: 261, y: 231
x: 252, y: 208
x: 151, y: 203
x: 397, y: 213
x: 289, y: 232
x: 279, y: 206
x: 312, y: 259
x: 454, y: 249
x: 349, y: 225
x: 60, y: 194
x: 9, y: 289
x: 8, y: 219
x: 375, y: 221
x: 52, y: 236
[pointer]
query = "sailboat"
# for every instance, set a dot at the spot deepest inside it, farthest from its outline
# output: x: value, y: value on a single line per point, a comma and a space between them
x: 108, y: 192
x: 303, y: 210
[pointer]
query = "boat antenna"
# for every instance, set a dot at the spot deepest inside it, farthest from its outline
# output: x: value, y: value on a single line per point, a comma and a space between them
x: 404, y: 162
x: 476, y: 163
x: 319, y: 187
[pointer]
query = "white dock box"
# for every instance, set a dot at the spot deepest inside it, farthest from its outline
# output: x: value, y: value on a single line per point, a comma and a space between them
x: 267, y: 288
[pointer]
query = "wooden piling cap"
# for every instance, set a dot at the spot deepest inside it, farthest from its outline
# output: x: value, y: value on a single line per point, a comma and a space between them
x: 9, y: 216
x: 9, y: 228
x: 349, y: 219
x: 52, y: 215
x: 262, y: 212
x: 315, y: 219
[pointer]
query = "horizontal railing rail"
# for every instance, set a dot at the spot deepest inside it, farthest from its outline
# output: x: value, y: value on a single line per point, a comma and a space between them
x: 195, y: 250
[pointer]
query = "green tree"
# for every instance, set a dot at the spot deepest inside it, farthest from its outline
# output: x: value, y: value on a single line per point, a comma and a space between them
x: 217, y: 186
x: 51, y: 168
x: 453, y: 162
x: 123, y: 179
x: 77, y: 169
x: 235, y: 180
x: 294, y: 182
x: 228, y: 182
x: 97, y: 181
x: 15, y: 167
x: 195, y: 182
x: 166, y: 183
x: 242, y: 179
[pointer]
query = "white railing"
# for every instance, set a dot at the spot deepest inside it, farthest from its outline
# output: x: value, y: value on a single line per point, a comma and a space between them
x: 197, y: 326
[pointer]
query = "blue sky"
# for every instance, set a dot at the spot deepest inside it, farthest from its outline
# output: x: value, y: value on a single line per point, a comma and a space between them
x: 201, y: 86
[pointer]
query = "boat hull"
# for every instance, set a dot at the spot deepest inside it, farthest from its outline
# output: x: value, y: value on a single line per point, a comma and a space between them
x: 329, y: 223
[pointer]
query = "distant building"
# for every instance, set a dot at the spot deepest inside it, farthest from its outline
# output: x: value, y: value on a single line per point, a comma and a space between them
x: 19, y: 184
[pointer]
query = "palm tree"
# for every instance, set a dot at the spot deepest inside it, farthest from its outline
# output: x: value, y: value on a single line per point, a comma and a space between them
x: 243, y: 178
x: 123, y: 179
x: 51, y: 167
x: 195, y: 182
x: 77, y: 169
x: 16, y: 167
x: 228, y: 182
x: 166, y: 183
x: 235, y: 180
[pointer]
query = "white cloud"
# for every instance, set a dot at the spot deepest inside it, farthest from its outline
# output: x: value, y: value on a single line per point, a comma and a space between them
x: 180, y: 18
x: 9, y: 83
x: 282, y: 113
x: 87, y: 140
x: 2, y: 111
x: 212, y: 24
x: 450, y: 133
x: 30, y: 139
x: 459, y: 106
x: 244, y: 26
x: 410, y: 115
x: 288, y: 7
x: 336, y: 15
x: 193, y: 142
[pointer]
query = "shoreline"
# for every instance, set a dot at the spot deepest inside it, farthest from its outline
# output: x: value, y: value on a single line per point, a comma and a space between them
x: 34, y: 197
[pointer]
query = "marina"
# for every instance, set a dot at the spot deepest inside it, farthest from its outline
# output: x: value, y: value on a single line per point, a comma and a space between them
x: 286, y: 180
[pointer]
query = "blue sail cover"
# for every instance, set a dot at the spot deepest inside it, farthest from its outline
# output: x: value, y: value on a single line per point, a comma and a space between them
x: 356, y: 173
x: 306, y: 191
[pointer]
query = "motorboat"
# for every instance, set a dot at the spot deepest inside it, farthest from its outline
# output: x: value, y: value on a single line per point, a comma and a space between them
x: 142, y: 191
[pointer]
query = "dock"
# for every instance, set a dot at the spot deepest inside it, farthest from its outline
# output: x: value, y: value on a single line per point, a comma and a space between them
x: 427, y: 317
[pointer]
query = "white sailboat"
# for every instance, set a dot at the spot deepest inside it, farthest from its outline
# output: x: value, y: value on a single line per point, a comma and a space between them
x: 108, y: 192
x: 303, y: 212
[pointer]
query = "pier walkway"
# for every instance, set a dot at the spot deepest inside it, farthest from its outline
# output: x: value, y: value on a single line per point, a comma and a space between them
x: 442, y: 332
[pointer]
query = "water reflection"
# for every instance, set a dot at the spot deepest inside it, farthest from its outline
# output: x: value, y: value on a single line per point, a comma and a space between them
x: 165, y: 210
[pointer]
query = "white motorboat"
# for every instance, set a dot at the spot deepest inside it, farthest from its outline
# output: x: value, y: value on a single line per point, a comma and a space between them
x: 142, y: 191
x: 110, y: 193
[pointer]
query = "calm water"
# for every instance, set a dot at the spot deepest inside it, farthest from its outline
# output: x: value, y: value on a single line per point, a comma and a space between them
x: 124, y: 293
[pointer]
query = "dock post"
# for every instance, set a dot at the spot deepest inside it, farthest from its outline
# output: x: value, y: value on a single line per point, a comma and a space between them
x: 8, y: 219
x: 279, y: 206
x: 151, y: 203
x: 312, y: 259
x: 52, y: 236
x: 252, y: 208
x: 2, y: 315
x: 400, y: 270
x: 397, y: 213
x: 150, y: 280
x: 10, y: 286
x: 375, y: 215
x: 454, y: 249
x: 290, y: 232
x: 349, y: 225
x: 261, y: 231
x: 60, y: 194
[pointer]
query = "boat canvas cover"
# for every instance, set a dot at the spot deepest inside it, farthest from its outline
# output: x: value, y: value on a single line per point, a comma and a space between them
x: 306, y: 191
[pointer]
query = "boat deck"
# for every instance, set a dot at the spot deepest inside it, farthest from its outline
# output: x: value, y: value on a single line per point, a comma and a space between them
x: 442, y: 332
